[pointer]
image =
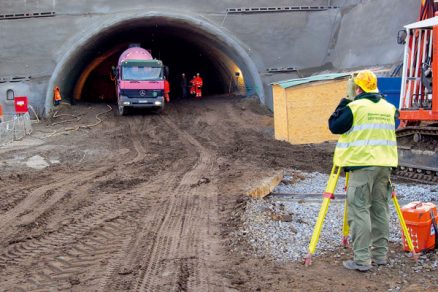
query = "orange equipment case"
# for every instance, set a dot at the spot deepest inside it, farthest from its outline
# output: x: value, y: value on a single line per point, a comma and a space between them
x: 418, y: 217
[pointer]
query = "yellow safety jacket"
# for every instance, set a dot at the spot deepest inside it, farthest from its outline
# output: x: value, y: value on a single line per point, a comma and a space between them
x: 371, y: 140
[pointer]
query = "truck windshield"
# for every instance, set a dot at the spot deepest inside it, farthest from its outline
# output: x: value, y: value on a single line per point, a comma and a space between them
x: 141, y: 73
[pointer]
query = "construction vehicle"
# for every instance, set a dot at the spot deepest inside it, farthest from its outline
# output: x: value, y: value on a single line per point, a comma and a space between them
x: 417, y: 134
x: 139, y: 80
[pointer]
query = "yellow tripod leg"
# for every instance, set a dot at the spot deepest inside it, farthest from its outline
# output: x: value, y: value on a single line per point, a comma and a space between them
x: 403, y: 225
x: 327, y: 196
x: 345, y: 227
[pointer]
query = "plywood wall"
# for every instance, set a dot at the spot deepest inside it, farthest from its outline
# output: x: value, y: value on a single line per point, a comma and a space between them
x: 301, y: 112
x: 280, y: 114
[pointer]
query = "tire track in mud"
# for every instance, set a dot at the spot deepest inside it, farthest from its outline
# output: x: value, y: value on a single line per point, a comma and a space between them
x: 139, y: 202
x: 36, y: 195
x: 201, y: 275
x: 151, y: 238
x: 150, y: 225
x: 61, y: 271
x: 15, y: 194
x: 57, y: 270
x: 135, y: 133
x: 38, y: 205
x: 166, y: 237
x: 149, y: 230
x: 29, y: 196
x: 242, y: 123
x: 156, y: 225
x: 69, y: 233
x: 177, y: 246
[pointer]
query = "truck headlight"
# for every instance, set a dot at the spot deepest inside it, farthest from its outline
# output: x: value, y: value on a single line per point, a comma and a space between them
x: 126, y: 103
x: 158, y: 103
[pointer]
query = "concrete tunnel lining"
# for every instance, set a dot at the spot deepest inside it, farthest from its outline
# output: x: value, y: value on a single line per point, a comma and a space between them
x: 81, y: 48
x: 180, y: 54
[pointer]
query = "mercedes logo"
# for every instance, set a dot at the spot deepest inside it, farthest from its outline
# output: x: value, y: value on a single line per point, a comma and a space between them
x: 142, y: 92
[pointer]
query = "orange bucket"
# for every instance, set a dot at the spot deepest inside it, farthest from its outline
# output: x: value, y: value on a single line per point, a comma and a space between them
x: 418, y: 217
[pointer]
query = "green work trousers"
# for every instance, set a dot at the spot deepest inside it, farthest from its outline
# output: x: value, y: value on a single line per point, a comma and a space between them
x: 368, y: 213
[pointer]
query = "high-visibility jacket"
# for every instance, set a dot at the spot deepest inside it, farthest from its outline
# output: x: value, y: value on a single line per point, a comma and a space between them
x: 371, y: 140
x: 57, y: 94
x: 166, y: 90
x: 198, y: 81
x: 192, y: 86
x: 166, y: 86
x: 198, y: 86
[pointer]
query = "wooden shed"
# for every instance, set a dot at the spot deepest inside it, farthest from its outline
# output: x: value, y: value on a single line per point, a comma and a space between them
x: 302, y: 107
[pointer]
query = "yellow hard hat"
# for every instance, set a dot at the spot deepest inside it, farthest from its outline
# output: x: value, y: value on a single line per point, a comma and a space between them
x: 366, y: 80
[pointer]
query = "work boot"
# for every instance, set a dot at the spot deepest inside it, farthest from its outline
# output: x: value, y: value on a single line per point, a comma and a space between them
x: 351, y: 265
x: 381, y: 262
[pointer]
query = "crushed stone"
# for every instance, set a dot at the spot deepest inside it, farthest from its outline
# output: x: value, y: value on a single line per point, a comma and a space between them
x: 267, y: 231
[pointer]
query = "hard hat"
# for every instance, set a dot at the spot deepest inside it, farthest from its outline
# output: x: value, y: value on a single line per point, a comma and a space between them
x: 366, y: 80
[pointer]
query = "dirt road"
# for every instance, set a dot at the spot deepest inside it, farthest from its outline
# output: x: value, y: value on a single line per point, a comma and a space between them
x: 148, y: 202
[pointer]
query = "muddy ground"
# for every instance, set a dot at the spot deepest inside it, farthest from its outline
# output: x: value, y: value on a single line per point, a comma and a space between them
x: 148, y: 202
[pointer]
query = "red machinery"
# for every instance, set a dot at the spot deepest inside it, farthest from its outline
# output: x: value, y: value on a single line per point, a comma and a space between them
x: 418, y: 132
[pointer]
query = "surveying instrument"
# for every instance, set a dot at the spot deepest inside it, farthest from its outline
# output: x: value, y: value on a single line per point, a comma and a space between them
x: 328, y: 195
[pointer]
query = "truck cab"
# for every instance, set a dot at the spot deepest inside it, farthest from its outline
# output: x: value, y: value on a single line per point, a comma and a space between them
x: 139, y: 81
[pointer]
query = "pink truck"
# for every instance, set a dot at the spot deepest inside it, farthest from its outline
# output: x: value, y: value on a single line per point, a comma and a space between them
x: 139, y: 81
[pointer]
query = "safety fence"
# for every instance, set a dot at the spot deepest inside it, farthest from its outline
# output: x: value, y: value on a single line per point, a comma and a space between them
x: 15, y: 127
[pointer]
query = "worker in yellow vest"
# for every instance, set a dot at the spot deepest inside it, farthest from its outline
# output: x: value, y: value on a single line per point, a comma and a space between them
x: 367, y: 149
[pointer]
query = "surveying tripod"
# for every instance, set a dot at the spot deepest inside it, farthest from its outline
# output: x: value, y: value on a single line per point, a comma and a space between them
x: 328, y: 195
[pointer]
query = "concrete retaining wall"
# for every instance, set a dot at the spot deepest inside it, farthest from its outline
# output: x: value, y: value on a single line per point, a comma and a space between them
x: 360, y: 33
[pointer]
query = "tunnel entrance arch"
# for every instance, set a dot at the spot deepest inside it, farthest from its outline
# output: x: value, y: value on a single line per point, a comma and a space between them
x: 218, y: 50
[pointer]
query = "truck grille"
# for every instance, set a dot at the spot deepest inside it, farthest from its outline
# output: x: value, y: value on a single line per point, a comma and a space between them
x: 142, y: 93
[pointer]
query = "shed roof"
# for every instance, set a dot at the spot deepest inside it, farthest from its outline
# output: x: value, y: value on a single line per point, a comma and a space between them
x: 299, y: 81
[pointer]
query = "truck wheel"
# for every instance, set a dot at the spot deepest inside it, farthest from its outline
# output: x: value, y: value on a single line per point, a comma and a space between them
x: 160, y: 109
x: 122, y: 110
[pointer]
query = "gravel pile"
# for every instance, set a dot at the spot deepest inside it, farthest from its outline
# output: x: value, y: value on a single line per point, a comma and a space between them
x: 281, y: 227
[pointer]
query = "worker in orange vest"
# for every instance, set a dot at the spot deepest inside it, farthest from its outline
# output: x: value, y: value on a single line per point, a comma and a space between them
x: 192, y: 86
x: 57, y: 95
x: 166, y: 90
x: 1, y: 113
x: 198, y: 86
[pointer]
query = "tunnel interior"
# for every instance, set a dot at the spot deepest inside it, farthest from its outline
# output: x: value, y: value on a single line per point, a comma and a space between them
x: 181, y: 46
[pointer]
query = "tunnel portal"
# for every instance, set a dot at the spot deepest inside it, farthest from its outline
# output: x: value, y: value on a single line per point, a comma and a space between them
x: 184, y: 45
